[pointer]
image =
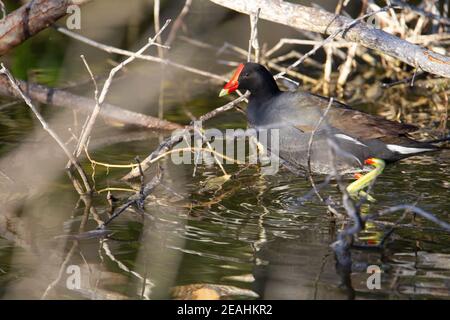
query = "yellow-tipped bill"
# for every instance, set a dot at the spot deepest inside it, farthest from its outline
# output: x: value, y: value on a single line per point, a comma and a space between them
x: 223, y: 92
x: 233, y: 84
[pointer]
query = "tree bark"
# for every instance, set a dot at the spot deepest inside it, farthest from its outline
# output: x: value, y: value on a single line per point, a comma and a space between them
x: 29, y: 19
x: 61, y: 98
x: 317, y: 20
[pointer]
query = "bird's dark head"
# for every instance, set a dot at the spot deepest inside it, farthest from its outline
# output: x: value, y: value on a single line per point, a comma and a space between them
x: 252, y: 77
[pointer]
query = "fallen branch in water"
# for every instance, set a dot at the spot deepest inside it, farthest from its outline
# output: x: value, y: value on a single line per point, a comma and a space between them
x: 62, y: 98
x: 317, y: 20
x: 412, y: 209
x: 137, y: 199
x: 30, y: 19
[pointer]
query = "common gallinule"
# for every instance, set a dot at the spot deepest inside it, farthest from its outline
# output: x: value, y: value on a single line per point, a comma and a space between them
x: 359, y: 136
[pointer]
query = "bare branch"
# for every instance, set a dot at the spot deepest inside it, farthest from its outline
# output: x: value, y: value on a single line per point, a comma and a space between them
x: 111, y: 49
x: 346, y: 68
x: 99, y: 101
x: 157, y: 25
x: 81, y: 140
x: 410, y: 208
x: 29, y: 19
x: 138, y: 198
x: 46, y: 127
x: 61, y: 98
x: 253, y: 42
x: 342, y: 30
x: 178, y: 22
x: 308, y: 155
x: 317, y: 20
x: 3, y: 10
x: 170, y: 142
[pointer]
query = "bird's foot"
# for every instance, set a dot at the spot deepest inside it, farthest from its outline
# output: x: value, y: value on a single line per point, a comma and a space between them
x: 355, y: 189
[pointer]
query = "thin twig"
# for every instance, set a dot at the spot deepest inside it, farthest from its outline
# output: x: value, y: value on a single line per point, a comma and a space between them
x: 137, y: 199
x: 440, y: 19
x: 170, y: 142
x: 111, y: 49
x: 157, y: 25
x: 410, y: 208
x: 178, y: 22
x: 346, y: 67
x: 95, y: 111
x: 3, y: 10
x: 47, y: 128
x: 283, y: 41
x: 99, y: 101
x: 310, y: 142
x: 253, y: 42
x: 328, y: 40
x: 271, y: 64
x: 327, y: 70
x: 156, y: 9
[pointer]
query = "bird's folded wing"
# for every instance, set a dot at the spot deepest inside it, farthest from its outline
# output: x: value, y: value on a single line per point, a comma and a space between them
x: 357, y: 124
x: 365, y: 126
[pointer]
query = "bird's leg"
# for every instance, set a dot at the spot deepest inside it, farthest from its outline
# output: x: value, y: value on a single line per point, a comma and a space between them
x: 355, y: 189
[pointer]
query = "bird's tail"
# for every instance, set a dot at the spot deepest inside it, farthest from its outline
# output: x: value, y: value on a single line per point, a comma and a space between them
x: 438, y: 141
x: 445, y: 139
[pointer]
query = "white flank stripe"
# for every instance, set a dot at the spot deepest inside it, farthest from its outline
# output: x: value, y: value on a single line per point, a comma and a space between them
x: 405, y: 150
x: 345, y: 137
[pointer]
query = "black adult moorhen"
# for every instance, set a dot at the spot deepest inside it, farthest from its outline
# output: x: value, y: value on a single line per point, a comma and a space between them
x: 357, y: 135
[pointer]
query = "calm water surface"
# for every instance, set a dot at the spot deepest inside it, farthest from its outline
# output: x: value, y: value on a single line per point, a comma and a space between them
x: 250, y: 238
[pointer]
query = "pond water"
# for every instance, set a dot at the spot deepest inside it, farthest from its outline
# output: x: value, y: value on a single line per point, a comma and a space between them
x: 252, y: 237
